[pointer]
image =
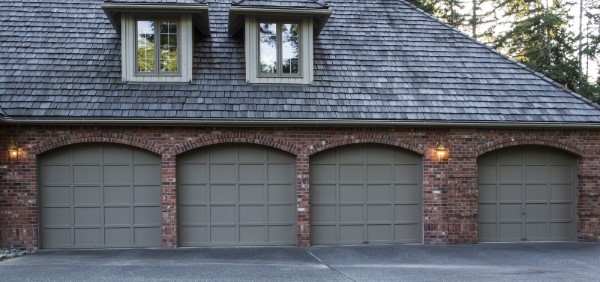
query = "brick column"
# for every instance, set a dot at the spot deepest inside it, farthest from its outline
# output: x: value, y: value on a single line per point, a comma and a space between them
x: 303, y: 199
x: 169, y: 200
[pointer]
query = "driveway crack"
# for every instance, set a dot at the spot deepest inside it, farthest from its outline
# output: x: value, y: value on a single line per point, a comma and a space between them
x: 328, y: 266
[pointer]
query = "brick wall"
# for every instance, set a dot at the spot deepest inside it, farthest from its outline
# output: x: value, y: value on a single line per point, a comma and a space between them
x: 449, y: 186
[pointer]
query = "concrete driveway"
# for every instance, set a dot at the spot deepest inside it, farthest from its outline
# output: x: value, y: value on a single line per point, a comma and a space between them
x: 483, y: 262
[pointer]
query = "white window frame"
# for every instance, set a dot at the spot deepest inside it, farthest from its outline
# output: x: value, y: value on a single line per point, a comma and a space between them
x: 252, y: 46
x: 129, y: 52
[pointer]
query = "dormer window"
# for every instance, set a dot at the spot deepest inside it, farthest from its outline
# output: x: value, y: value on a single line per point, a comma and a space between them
x: 279, y: 49
x: 278, y: 41
x: 157, y: 39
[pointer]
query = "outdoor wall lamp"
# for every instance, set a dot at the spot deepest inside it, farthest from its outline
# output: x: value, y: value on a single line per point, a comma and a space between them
x: 13, y: 150
x: 441, y: 150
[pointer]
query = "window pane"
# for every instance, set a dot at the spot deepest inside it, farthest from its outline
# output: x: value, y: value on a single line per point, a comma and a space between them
x: 168, y: 46
x: 290, y: 48
x: 268, y: 47
x: 145, y: 46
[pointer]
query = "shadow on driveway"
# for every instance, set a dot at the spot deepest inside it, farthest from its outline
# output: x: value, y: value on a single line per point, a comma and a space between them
x: 482, y: 262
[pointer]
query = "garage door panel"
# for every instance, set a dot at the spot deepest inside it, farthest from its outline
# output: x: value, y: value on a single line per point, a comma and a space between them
x: 223, y: 234
x: 326, y: 173
x: 254, y: 156
x: 87, y: 236
x: 351, y: 214
x: 379, y: 213
x: 87, y: 195
x: 323, y: 214
x: 278, y: 193
x: 116, y: 174
x: 280, y: 214
x: 379, y: 193
x: 192, y: 215
x: 351, y: 193
x: 192, y: 173
x: 223, y: 173
x: 379, y: 233
x: 192, y: 193
x: 223, y: 214
x: 280, y: 173
x: 407, y: 193
x: 56, y: 175
x: 487, y: 193
x: 124, y: 155
x: 223, y: 193
x: 510, y: 173
x: 379, y: 173
x: 87, y: 154
x: 367, y: 192
x: 117, y: 216
x: 57, y: 237
x: 403, y: 213
x: 147, y: 236
x: 509, y: 212
x: 534, y: 173
x: 57, y: 216
x: 251, y: 173
x: 106, y: 195
x: 252, y: 214
x: 58, y: 195
x: 117, y: 236
x: 407, y: 173
x: 223, y: 154
x: 192, y: 235
x: 561, y: 193
x: 86, y: 174
x: 536, y: 188
x: 250, y: 193
x: 281, y: 234
x: 351, y: 173
x: 87, y: 216
x: 352, y: 233
x: 536, y: 192
x: 252, y: 234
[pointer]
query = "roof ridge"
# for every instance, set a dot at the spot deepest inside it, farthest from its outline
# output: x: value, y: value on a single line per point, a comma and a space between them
x: 523, y: 66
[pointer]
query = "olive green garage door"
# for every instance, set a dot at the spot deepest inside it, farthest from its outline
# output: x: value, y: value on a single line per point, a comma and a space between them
x: 365, y: 194
x: 526, y: 193
x: 99, y: 196
x: 236, y: 194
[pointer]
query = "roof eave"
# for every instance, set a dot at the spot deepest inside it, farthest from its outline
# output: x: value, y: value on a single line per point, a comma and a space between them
x: 300, y: 122
x: 199, y: 13
x: 237, y: 15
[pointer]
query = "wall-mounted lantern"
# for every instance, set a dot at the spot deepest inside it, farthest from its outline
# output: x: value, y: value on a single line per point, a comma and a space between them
x: 13, y: 150
x: 441, y: 150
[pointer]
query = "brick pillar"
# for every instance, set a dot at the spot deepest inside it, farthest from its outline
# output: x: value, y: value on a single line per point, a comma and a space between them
x: 435, y: 194
x: 169, y: 200
x: 588, y: 200
x: 303, y: 199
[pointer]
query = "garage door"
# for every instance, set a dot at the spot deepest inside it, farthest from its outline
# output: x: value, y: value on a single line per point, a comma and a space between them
x: 365, y: 194
x: 100, y: 195
x: 236, y: 194
x: 526, y: 194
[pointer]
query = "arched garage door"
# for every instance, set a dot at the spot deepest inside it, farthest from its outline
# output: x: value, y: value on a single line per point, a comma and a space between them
x: 236, y: 194
x: 365, y: 194
x: 100, y: 195
x: 526, y: 193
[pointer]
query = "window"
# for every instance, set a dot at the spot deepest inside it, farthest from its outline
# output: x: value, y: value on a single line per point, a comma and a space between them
x: 279, y: 51
x: 157, y: 49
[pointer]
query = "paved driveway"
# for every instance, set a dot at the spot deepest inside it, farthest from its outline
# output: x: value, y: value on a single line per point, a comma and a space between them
x: 483, y: 262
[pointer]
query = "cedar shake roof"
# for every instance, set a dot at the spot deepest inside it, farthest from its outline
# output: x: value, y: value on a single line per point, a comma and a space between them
x: 380, y: 60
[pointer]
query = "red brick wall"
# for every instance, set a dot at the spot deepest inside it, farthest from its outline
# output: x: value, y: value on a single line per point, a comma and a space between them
x: 449, y: 186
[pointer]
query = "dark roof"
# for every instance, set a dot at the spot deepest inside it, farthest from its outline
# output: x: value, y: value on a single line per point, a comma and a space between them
x: 156, y: 1
x: 374, y: 60
x: 311, y: 4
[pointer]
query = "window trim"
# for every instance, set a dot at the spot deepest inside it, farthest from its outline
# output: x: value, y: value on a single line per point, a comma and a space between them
x: 129, y: 49
x: 279, y: 46
x: 251, y: 44
x: 157, y: 71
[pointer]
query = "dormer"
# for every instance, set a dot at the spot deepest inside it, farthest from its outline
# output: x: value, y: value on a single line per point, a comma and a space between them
x: 157, y: 38
x: 278, y: 38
